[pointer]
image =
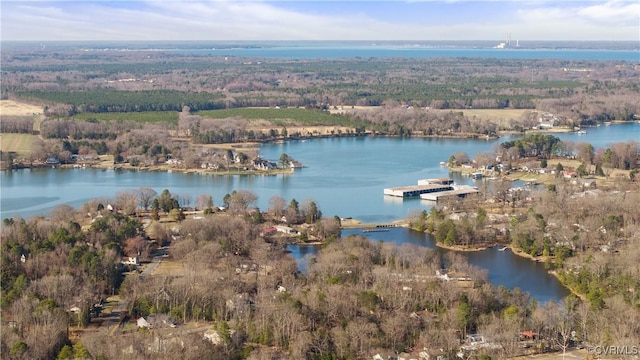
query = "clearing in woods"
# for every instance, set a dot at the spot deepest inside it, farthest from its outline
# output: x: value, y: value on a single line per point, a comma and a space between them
x: 13, y: 108
x: 18, y: 143
x: 502, y: 117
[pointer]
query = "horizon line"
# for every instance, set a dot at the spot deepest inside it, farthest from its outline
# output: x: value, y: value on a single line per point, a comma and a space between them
x: 318, y: 40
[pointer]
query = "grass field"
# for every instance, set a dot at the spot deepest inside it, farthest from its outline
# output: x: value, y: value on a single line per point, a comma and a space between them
x: 19, y: 143
x: 169, y: 268
x: 501, y: 117
x: 280, y: 117
x: 13, y: 108
x: 165, y: 117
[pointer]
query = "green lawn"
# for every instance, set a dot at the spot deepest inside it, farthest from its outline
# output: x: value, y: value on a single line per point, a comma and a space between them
x: 276, y: 116
x: 19, y: 143
x: 164, y: 117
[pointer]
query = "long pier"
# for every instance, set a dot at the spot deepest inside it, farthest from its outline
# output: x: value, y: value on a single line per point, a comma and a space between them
x: 461, y: 192
x: 432, y: 189
x: 416, y: 190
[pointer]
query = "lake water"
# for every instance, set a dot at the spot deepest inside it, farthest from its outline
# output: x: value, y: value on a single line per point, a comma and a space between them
x: 503, y: 267
x: 345, y: 176
x: 396, y: 51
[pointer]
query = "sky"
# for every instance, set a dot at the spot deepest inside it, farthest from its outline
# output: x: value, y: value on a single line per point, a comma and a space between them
x: 233, y: 20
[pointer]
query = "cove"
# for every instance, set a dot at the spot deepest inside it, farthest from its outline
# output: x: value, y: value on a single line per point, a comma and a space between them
x: 504, y: 268
x: 345, y: 176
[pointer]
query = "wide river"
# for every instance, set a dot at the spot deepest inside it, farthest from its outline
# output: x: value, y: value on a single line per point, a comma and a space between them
x: 345, y: 176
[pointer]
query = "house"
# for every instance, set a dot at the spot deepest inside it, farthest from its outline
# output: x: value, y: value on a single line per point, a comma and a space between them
x: 294, y: 164
x: 262, y: 164
x: 52, y: 161
x: 528, y: 335
x: 131, y: 260
x: 286, y: 229
x: 143, y: 323
x: 215, y: 338
x: 156, y: 321
x: 475, y: 342
x: 268, y: 231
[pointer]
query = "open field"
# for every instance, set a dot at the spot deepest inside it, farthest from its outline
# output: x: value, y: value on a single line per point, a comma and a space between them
x: 500, y: 116
x: 169, y: 268
x: 19, y: 143
x: 279, y: 117
x: 13, y: 108
x: 164, y: 117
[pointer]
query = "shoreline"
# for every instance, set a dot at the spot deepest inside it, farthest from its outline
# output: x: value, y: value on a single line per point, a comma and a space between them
x: 463, y: 248
x: 517, y: 252
x: 554, y: 273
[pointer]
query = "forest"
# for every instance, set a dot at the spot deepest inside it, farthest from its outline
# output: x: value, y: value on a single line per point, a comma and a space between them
x: 75, y: 283
x: 70, y: 82
x: 356, y: 298
x: 142, y: 108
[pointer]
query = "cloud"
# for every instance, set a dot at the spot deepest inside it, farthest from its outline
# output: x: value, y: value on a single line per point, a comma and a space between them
x: 319, y: 20
x: 613, y: 11
x: 602, y: 21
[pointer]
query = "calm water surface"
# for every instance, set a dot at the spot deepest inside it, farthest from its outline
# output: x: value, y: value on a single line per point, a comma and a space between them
x: 503, y: 267
x: 345, y: 176
x: 376, y: 51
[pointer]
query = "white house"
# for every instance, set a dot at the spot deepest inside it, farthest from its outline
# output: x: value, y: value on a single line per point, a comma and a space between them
x: 131, y: 260
x: 143, y: 323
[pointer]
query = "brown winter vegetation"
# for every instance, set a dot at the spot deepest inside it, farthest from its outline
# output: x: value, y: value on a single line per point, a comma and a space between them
x: 222, y: 274
x: 226, y: 272
x: 141, y: 107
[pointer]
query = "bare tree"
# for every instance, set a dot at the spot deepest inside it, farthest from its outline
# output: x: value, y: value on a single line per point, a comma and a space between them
x: 126, y: 201
x: 204, y: 201
x: 145, y: 197
x: 277, y: 205
x: 241, y: 200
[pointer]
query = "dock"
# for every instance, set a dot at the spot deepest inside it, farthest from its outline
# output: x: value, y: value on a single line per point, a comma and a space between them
x: 416, y: 190
x: 457, y: 191
x: 439, y: 181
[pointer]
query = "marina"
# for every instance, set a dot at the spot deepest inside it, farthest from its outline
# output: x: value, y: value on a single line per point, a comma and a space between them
x: 425, y: 186
x: 459, y: 191
x: 433, y: 190
x: 416, y: 190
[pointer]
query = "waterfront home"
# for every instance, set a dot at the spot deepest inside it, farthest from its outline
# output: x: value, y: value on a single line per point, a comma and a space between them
x: 262, y: 164
x: 294, y: 164
x: 286, y: 229
x: 52, y: 161
x: 268, y: 231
